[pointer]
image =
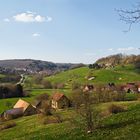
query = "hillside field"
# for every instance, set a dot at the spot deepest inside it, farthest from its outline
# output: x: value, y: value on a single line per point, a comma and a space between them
x: 124, y: 125
x: 117, y: 75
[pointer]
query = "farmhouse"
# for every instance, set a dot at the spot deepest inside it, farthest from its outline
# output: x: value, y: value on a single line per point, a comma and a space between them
x: 27, y: 108
x: 60, y: 101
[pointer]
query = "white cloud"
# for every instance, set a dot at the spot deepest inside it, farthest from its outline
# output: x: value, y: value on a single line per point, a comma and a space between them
x: 6, y: 20
x: 35, y: 34
x: 24, y: 17
x: 127, y: 49
x: 31, y: 17
x: 39, y: 18
x: 49, y: 19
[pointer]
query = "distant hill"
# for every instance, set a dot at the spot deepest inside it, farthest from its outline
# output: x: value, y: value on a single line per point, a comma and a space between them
x: 34, y: 66
x: 115, y: 60
x: 119, y: 59
x: 116, y: 68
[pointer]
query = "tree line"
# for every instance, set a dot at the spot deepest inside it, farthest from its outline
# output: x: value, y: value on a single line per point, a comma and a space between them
x: 10, y: 91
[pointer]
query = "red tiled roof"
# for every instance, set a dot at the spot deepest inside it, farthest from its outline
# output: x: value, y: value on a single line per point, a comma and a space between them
x: 57, y: 96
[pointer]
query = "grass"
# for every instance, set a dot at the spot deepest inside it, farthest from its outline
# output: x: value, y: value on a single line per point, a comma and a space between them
x: 125, y: 125
x: 117, y: 75
x: 6, y: 104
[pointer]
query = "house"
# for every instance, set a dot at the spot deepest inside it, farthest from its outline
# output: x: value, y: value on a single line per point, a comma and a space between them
x: 27, y: 108
x: 12, y: 114
x: 88, y: 88
x: 129, y: 88
x: 60, y: 101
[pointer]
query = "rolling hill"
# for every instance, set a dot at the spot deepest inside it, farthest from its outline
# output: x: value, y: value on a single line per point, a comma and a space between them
x: 124, y: 125
x: 30, y: 66
x: 118, y: 74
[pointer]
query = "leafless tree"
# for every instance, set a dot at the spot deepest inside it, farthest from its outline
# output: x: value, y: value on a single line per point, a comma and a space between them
x: 85, y: 103
x: 130, y: 16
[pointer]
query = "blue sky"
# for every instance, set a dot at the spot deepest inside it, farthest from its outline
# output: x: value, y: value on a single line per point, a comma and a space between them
x: 65, y: 30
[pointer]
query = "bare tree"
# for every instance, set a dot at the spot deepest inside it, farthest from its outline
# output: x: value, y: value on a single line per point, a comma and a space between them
x: 84, y: 103
x: 130, y: 16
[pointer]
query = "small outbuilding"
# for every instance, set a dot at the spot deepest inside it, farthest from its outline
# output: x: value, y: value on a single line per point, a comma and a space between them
x: 60, y: 101
x: 12, y: 114
x: 28, y: 109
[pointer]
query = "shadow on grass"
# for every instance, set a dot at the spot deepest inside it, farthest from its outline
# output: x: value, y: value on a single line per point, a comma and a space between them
x: 120, y: 124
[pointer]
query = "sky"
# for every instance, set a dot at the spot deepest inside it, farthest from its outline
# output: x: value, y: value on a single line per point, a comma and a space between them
x: 65, y: 31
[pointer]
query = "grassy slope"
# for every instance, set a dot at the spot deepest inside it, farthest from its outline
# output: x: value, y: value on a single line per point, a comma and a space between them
x: 127, y: 74
x: 33, y: 94
x: 121, y: 124
x: 124, y: 125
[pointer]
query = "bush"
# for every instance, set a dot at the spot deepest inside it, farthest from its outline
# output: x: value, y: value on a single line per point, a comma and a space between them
x: 116, y: 109
x: 9, y: 91
x: 130, y: 97
x: 58, y: 85
x: 44, y: 106
x: 7, y: 125
x: 47, y: 84
x: 42, y: 97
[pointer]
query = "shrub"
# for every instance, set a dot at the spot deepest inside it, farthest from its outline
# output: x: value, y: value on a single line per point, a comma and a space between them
x: 47, y: 84
x: 116, y: 109
x: 130, y: 97
x: 58, y: 85
x: 46, y: 108
x: 44, y: 104
x: 7, y: 125
x: 42, y: 97
x: 9, y: 91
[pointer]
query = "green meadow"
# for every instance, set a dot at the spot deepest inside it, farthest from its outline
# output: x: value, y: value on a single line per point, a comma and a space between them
x: 124, y: 125
x: 118, y: 75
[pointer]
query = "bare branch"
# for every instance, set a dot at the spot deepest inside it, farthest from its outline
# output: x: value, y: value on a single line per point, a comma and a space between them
x: 131, y: 16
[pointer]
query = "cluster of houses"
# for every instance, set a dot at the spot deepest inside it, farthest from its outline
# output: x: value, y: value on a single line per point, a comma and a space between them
x: 131, y: 87
x: 58, y: 101
x: 24, y: 108
x: 128, y: 87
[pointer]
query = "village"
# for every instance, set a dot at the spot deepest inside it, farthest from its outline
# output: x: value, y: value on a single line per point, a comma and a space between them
x: 59, y: 101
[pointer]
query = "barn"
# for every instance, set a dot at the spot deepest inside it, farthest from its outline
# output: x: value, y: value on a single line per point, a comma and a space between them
x: 28, y: 109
